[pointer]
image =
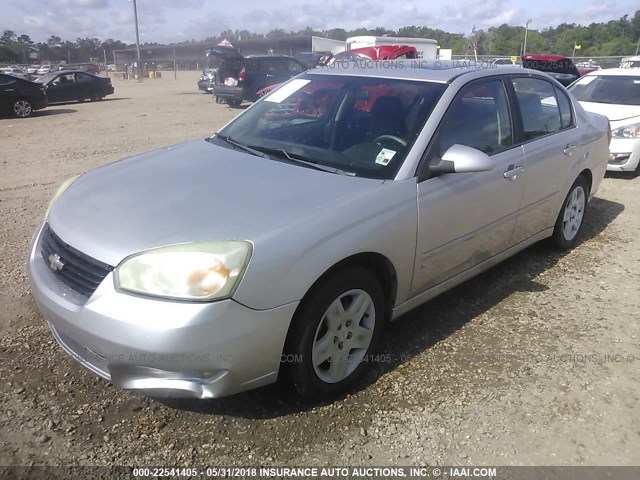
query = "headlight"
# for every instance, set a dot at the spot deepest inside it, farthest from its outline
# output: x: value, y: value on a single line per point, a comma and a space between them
x: 193, y: 271
x: 66, y: 184
x: 628, y: 131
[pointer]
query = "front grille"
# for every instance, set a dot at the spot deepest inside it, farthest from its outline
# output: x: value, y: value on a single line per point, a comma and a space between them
x: 79, y: 271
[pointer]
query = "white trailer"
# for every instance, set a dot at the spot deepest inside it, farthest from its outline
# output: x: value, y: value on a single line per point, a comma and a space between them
x: 426, y: 47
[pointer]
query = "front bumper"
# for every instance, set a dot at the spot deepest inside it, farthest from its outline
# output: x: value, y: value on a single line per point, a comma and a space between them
x: 162, y: 348
x: 624, y: 155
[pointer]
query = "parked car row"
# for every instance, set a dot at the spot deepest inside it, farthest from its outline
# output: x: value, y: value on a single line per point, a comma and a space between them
x: 20, y: 97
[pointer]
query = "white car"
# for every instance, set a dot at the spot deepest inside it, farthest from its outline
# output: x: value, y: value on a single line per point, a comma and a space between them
x: 46, y: 69
x: 15, y: 72
x: 615, y: 93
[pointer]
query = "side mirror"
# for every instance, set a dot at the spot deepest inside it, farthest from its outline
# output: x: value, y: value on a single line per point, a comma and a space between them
x: 462, y: 159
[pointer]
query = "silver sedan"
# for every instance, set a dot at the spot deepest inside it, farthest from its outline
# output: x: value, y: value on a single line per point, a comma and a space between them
x: 281, y: 246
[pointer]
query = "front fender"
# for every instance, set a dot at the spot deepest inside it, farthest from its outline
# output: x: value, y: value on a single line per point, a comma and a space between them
x: 286, y: 263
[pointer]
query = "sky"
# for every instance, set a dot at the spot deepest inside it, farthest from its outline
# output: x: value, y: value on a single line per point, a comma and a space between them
x: 167, y: 21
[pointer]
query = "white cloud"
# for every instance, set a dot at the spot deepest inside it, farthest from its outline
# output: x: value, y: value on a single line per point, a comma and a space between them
x: 177, y: 20
x: 81, y: 3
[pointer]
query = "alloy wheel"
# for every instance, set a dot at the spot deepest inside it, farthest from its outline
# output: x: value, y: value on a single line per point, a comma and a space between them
x: 343, y: 336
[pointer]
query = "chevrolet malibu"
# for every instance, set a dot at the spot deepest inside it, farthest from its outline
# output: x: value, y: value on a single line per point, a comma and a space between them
x: 280, y: 246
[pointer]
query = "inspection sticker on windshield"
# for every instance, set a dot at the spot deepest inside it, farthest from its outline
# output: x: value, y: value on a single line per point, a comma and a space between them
x: 286, y: 90
x: 385, y: 156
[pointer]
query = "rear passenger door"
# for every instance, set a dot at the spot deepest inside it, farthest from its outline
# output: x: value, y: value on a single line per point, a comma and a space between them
x: 86, y: 87
x: 550, y: 148
x: 465, y: 219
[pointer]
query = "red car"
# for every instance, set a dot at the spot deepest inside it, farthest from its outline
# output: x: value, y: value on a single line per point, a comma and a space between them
x: 381, y: 52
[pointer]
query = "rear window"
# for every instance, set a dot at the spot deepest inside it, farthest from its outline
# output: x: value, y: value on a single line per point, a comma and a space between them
x: 273, y: 65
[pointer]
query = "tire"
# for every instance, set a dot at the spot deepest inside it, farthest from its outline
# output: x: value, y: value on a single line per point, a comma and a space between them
x: 234, y: 103
x: 21, y: 108
x: 572, y: 215
x: 318, y: 338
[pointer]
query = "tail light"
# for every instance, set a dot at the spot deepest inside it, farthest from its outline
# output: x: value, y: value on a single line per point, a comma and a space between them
x: 242, y: 75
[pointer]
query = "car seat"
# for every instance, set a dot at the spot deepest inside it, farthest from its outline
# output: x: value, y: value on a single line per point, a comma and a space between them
x: 388, y: 118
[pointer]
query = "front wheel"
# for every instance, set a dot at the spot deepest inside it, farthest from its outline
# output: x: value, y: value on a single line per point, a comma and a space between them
x: 21, y: 108
x: 234, y: 103
x: 336, y: 328
x: 571, y: 216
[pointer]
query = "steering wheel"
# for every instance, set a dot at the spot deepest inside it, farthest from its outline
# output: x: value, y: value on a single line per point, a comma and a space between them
x: 399, y: 140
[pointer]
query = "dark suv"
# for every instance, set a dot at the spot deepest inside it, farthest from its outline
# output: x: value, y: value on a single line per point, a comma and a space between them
x: 241, y: 79
x: 559, y: 67
x: 20, y: 97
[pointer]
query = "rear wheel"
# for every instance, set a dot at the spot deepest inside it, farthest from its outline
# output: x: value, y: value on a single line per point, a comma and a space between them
x: 234, y: 102
x: 21, y: 108
x: 571, y: 217
x: 335, y: 329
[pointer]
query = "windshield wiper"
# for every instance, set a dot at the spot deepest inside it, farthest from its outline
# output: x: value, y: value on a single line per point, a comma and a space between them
x: 295, y: 158
x: 245, y: 148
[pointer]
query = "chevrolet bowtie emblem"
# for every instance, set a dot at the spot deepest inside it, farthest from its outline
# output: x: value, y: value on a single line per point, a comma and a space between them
x: 55, y: 263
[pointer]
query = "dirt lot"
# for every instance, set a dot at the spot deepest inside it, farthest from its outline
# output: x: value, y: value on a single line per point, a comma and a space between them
x: 534, y: 362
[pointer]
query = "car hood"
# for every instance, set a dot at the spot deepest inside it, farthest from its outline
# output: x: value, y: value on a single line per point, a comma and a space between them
x: 612, y: 111
x: 191, y: 192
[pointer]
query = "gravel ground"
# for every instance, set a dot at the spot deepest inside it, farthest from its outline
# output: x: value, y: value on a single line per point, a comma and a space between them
x: 532, y: 363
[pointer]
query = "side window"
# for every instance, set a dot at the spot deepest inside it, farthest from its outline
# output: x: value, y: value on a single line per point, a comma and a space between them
x: 479, y: 118
x: 276, y: 65
x: 81, y: 77
x: 566, y: 112
x: 538, y: 107
x: 64, y: 80
x: 295, y: 67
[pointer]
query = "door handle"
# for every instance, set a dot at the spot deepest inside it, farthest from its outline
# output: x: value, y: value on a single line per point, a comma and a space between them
x: 568, y: 150
x: 512, y: 172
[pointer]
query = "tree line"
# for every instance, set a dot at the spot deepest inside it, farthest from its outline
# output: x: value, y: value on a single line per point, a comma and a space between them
x: 614, y: 37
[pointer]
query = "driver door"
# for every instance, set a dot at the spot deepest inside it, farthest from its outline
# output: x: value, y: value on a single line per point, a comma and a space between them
x: 465, y: 219
x: 61, y: 88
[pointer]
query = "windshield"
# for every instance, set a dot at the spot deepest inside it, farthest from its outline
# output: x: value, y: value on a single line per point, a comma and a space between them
x: 46, y: 77
x: 620, y: 90
x: 360, y: 126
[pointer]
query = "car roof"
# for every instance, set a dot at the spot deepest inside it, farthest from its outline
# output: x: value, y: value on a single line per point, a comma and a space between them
x: 442, y: 71
x: 629, y: 72
x: 65, y: 72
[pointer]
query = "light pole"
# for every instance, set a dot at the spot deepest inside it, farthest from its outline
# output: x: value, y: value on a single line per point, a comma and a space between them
x: 526, y: 30
x: 138, y: 63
